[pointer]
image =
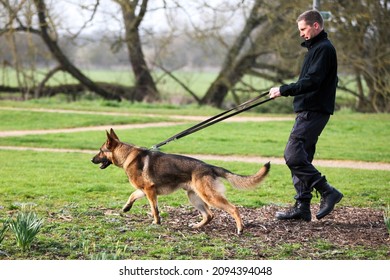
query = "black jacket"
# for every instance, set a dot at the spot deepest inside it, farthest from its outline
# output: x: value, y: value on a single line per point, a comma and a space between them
x: 315, y: 89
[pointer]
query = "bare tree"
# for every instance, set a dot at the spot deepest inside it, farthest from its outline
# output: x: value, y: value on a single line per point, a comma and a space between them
x: 363, y: 41
x: 133, y: 12
x: 144, y: 88
x: 20, y: 19
x: 359, y: 30
x: 250, y: 54
x: 51, y: 43
x: 264, y: 44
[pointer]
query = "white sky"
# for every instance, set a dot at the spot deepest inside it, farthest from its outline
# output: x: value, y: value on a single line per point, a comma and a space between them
x: 108, y: 17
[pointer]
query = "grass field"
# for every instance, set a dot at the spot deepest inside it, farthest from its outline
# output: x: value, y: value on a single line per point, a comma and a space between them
x: 80, y: 203
x: 348, y: 136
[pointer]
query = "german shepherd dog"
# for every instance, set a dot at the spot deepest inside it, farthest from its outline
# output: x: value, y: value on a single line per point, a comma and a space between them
x: 154, y: 173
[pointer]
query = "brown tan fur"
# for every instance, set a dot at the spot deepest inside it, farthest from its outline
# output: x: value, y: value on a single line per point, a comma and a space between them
x: 154, y: 173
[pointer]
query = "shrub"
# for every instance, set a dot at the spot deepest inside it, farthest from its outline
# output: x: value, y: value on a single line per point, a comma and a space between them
x: 386, y: 216
x: 2, y: 231
x: 25, y: 227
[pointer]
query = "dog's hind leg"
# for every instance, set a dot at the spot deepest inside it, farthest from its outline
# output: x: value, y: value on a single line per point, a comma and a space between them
x: 202, y: 207
x: 133, y: 197
x: 225, y: 205
x: 222, y: 203
x: 211, y: 193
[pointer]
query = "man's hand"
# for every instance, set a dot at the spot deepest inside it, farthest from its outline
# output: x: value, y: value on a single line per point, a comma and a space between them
x: 274, y: 92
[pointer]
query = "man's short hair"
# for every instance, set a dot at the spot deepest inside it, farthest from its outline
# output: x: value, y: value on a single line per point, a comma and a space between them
x: 310, y: 17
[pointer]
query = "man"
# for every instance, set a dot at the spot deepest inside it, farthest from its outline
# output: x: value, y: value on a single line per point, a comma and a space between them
x: 314, y: 99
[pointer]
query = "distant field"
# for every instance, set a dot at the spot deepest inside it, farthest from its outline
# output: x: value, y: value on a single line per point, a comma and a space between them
x: 170, y: 90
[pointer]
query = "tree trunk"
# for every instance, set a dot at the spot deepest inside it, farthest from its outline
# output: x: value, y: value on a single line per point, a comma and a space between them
x: 233, y: 67
x: 379, y: 94
x: 60, y: 56
x: 145, y: 88
x: 362, y: 102
x: 226, y: 80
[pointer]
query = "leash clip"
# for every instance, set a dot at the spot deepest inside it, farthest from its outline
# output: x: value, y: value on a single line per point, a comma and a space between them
x: 154, y: 148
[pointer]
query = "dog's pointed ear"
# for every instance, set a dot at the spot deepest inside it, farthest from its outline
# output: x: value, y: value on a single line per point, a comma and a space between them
x: 112, y: 141
x: 113, y: 134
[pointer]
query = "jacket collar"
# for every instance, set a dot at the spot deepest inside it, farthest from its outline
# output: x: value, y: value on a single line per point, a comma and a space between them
x: 311, y: 42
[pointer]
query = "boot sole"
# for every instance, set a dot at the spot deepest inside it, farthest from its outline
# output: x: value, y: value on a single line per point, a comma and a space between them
x: 330, y: 210
x: 281, y: 218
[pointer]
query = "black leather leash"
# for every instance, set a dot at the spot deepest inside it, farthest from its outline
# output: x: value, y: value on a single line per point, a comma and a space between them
x: 217, y: 118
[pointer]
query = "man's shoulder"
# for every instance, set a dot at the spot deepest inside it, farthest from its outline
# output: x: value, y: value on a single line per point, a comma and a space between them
x: 324, y: 45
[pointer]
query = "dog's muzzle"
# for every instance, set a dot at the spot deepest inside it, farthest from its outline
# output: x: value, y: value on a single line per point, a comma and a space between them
x: 103, y: 161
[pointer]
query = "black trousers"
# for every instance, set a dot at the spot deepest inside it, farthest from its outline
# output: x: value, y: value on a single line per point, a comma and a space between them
x: 300, y: 150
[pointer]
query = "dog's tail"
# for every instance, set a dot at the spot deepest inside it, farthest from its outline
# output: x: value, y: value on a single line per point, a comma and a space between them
x: 246, y: 182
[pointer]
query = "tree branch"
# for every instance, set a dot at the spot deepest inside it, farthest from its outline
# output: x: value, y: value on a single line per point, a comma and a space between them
x: 169, y: 73
x: 60, y: 56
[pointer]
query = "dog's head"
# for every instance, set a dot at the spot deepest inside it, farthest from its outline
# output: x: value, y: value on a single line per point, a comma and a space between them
x: 105, y: 155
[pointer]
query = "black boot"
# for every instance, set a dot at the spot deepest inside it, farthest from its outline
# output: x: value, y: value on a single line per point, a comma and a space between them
x: 329, y: 197
x: 300, y: 211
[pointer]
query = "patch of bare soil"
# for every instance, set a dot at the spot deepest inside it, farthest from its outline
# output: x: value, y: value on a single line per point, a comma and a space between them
x: 345, y: 227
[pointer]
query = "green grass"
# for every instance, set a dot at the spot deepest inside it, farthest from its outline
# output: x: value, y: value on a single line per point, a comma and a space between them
x: 81, y: 203
x: 100, y: 105
x: 65, y: 177
x: 81, y: 206
x: 362, y: 137
x: 27, y: 120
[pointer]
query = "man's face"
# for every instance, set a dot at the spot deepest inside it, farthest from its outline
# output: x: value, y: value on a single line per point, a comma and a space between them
x: 308, y: 31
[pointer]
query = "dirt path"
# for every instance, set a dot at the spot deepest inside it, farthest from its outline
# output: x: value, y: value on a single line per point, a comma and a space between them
x: 175, y: 118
